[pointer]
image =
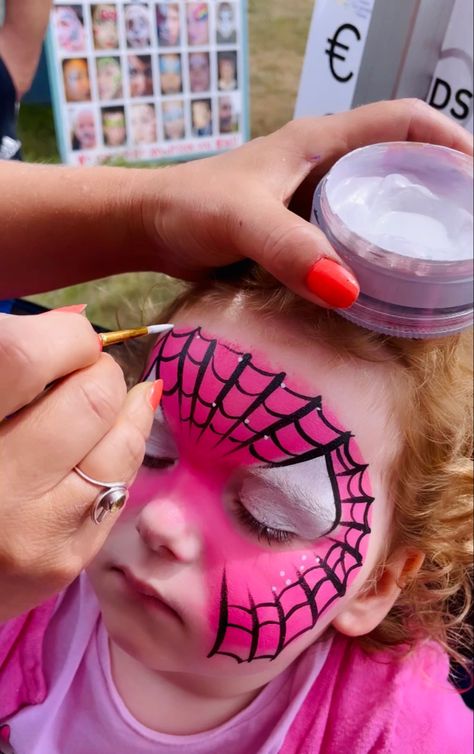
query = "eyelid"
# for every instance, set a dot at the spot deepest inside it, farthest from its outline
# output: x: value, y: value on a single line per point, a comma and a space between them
x: 160, y: 442
x: 303, y: 497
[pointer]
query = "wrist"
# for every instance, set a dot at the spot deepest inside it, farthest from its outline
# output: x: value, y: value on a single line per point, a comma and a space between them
x: 150, y: 202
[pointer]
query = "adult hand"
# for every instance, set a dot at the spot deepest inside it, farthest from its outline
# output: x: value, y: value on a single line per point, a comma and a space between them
x: 216, y: 211
x: 46, y: 533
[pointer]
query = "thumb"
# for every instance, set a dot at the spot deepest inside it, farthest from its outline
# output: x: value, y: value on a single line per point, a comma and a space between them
x: 299, y: 255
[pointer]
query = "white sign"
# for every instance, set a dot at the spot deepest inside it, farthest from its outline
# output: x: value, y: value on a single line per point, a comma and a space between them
x: 144, y: 81
x: 452, y: 86
x: 362, y: 51
x: 333, y: 55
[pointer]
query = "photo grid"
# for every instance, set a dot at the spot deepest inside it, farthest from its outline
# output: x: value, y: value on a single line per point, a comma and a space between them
x: 149, y: 80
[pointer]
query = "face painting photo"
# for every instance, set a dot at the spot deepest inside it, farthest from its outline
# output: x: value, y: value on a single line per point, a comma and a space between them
x: 104, y: 26
x: 137, y: 25
x: 76, y: 80
x: 168, y: 24
x: 83, y: 131
x: 69, y: 29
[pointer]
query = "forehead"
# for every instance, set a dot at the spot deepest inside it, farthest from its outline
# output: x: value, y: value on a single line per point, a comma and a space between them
x: 356, y: 395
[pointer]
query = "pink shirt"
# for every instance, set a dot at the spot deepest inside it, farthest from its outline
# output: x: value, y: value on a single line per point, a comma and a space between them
x: 58, y: 697
x: 84, y: 714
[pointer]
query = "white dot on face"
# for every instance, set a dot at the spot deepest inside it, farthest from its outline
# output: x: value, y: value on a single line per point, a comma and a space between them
x: 214, y: 404
x: 288, y: 582
x: 266, y: 437
x: 282, y: 573
x: 304, y: 557
x: 301, y: 569
x: 274, y: 589
x: 317, y: 559
x: 246, y: 421
x: 240, y: 358
x: 283, y: 386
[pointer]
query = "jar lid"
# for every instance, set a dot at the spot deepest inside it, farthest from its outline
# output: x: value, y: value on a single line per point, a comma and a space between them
x: 400, y: 215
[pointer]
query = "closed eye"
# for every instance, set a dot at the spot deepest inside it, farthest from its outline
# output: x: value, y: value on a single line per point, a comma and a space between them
x: 153, y: 462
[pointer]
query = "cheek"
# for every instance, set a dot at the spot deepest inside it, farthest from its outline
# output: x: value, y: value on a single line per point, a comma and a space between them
x: 260, y: 602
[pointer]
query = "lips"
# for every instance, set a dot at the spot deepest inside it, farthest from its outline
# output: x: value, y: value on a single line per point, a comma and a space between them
x: 148, y: 592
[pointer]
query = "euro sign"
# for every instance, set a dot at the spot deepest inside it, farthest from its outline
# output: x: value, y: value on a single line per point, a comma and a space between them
x: 335, y: 45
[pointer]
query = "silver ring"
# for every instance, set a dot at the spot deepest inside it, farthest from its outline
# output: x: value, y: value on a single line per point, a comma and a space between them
x: 111, y: 500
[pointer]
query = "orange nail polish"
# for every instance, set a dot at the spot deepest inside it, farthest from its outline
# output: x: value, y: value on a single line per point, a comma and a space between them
x: 156, y: 393
x: 73, y: 309
x: 332, y: 283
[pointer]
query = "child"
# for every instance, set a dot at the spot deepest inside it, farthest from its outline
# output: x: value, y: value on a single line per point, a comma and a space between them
x: 104, y: 26
x: 109, y: 78
x: 286, y: 572
x: 113, y: 126
x: 227, y: 70
x: 168, y: 24
x: 143, y: 123
x: 68, y: 24
x: 137, y: 26
x: 83, y: 132
x: 76, y: 80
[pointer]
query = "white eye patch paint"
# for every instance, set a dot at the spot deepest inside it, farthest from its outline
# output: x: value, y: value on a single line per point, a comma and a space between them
x: 160, y: 443
x: 299, y: 498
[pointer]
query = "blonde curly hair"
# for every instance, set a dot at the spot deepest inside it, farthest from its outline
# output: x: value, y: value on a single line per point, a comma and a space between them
x: 431, y: 482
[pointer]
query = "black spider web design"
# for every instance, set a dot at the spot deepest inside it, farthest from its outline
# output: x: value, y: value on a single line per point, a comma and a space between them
x: 313, y: 587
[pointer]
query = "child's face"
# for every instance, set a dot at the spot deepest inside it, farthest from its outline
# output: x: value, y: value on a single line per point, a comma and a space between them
x: 170, y: 74
x: 254, y: 524
x: 197, y: 23
x: 169, y: 25
x: 199, y: 72
x: 140, y: 75
x: 226, y: 70
x: 137, y: 26
x: 201, y: 114
x: 104, y: 27
x: 84, y: 129
x: 113, y: 125
x: 225, y: 21
x: 69, y: 30
x: 109, y: 79
x: 173, y: 120
x: 76, y: 80
x: 143, y: 124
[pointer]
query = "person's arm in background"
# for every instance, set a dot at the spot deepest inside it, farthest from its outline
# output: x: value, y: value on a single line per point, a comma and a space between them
x: 21, y: 38
x: 63, y: 225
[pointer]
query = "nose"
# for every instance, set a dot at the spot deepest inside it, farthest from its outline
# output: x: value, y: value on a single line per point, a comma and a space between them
x: 166, y: 529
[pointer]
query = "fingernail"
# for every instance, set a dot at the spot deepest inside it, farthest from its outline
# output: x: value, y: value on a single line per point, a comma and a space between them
x: 74, y: 308
x: 332, y: 283
x: 155, y: 394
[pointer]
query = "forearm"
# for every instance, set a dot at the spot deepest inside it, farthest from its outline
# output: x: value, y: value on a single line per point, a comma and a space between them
x: 21, y: 38
x: 62, y: 225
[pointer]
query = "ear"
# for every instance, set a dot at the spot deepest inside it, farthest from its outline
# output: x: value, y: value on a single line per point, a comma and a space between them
x: 374, y: 601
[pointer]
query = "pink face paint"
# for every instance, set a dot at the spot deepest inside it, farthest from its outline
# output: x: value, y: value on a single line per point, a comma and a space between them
x: 228, y: 414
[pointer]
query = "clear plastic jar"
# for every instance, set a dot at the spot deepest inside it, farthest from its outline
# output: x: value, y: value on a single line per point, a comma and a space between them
x: 400, y: 215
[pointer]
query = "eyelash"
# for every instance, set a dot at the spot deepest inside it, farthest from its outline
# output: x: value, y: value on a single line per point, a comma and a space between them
x: 153, y: 462
x: 273, y: 536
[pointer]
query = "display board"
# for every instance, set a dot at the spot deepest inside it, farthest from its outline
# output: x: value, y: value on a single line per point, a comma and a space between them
x: 148, y: 81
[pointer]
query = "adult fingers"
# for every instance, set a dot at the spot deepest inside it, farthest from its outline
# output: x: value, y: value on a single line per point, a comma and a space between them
x: 35, y: 350
x: 321, y: 141
x: 117, y: 457
x: 299, y: 255
x: 119, y: 454
x: 48, y: 438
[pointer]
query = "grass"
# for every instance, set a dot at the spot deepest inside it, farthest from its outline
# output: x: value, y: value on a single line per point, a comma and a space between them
x: 277, y: 40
